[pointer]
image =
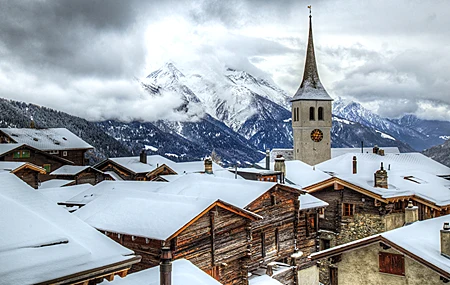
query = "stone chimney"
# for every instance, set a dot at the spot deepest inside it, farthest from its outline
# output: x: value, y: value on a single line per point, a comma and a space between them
x: 381, y: 152
x: 267, y: 159
x: 280, y: 166
x: 165, y: 267
x: 445, y: 240
x: 411, y: 213
x: 208, y: 166
x: 355, y: 164
x: 143, y: 156
x: 381, y: 178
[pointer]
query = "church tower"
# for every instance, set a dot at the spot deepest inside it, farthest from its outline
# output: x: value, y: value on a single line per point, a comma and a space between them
x: 311, y: 113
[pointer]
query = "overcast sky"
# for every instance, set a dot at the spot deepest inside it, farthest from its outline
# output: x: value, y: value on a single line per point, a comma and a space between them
x: 83, y: 56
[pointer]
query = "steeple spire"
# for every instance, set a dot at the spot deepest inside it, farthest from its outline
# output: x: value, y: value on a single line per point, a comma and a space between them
x: 311, y: 88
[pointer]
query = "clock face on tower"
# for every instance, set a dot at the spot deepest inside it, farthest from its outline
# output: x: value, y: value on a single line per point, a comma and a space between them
x: 316, y: 135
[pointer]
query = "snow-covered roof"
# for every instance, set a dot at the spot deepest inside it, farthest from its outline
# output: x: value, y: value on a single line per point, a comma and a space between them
x: 409, y: 174
x: 255, y: 171
x: 420, y: 240
x: 308, y: 201
x: 69, y: 170
x: 40, y: 241
x: 238, y: 192
x: 193, y: 167
x: 47, y: 139
x: 113, y: 175
x: 62, y: 194
x: 7, y: 147
x: 134, y: 164
x: 106, y: 186
x: 161, y: 215
x: 13, y: 166
x: 344, y: 150
x: 183, y: 273
x: 300, y: 173
x: 263, y: 280
x: 54, y: 183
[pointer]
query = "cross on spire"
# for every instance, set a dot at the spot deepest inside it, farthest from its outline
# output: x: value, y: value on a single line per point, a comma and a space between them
x: 309, y: 7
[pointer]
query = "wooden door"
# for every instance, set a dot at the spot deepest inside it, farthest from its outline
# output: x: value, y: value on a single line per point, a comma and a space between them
x: 333, y: 276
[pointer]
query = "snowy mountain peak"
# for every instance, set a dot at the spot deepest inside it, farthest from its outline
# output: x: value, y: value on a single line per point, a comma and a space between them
x: 165, y: 76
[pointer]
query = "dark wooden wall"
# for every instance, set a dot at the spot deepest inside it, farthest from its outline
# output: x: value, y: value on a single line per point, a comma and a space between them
x: 75, y: 155
x: 31, y: 177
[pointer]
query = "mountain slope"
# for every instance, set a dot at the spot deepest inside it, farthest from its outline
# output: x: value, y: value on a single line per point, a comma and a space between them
x: 440, y: 153
x: 18, y: 115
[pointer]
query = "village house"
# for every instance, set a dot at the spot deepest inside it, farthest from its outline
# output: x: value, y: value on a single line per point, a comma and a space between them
x: 58, y: 142
x: 140, y: 168
x: 212, y: 234
x: 26, y: 171
x: 40, y: 243
x: 416, y: 254
x: 80, y: 174
x: 24, y: 153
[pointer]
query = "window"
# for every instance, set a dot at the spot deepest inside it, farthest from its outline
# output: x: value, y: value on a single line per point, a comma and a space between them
x: 392, y: 263
x: 47, y: 167
x: 311, y: 114
x: 348, y: 209
x: 263, y: 244
x: 325, y: 244
x: 295, y: 114
x: 273, y: 200
x: 322, y: 213
x: 65, y: 153
x: 320, y: 114
x: 277, y: 240
x: 21, y: 154
x: 54, y: 152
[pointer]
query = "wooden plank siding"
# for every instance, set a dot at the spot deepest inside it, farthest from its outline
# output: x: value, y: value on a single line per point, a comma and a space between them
x: 218, y: 241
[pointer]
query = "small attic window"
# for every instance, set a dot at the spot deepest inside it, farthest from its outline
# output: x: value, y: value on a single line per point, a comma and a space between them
x: 64, y: 138
x: 35, y: 139
x: 414, y: 179
x: 14, y: 135
x: 57, y: 142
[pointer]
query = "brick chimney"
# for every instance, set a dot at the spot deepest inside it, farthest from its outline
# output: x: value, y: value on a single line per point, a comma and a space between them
x: 411, y: 213
x: 355, y: 164
x: 267, y: 159
x: 381, y: 178
x: 208, y: 166
x: 445, y: 240
x: 280, y: 166
x: 165, y: 267
x: 143, y: 156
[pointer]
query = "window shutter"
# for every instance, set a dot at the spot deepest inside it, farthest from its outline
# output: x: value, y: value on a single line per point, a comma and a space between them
x: 392, y: 263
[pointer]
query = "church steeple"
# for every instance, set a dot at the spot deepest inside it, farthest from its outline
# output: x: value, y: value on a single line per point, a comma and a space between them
x: 311, y: 88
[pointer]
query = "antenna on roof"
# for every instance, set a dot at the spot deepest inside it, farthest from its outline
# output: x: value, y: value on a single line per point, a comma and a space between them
x: 309, y: 7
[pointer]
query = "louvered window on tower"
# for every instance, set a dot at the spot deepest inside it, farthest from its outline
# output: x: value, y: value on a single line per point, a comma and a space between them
x: 311, y: 114
x: 320, y: 114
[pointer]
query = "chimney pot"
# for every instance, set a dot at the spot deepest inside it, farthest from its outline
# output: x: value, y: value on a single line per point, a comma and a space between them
x: 375, y: 149
x: 411, y: 213
x: 381, y: 178
x: 267, y: 159
x: 208, y: 166
x: 165, y: 267
x: 445, y: 240
x: 280, y: 166
x: 143, y: 156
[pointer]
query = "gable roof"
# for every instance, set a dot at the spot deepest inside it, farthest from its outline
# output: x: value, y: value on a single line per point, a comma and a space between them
x: 419, y: 241
x: 41, y: 242
x: 308, y: 201
x: 62, y: 194
x: 71, y: 170
x: 13, y: 166
x: 52, y: 183
x: 183, y: 273
x: 47, y: 139
x: 6, y: 148
x: 411, y: 175
x: 134, y: 165
x: 161, y: 216
x: 344, y: 150
x: 239, y: 192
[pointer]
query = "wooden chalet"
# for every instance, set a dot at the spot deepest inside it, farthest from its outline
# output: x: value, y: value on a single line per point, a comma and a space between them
x: 142, y: 168
x: 26, y: 171
x: 213, y: 235
x: 80, y: 174
x: 24, y: 153
x: 58, y: 142
x: 57, y: 247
